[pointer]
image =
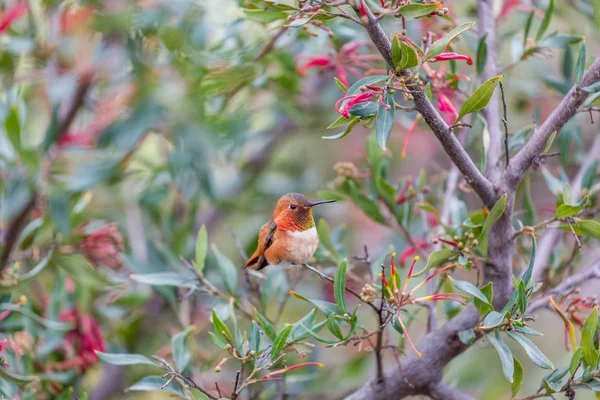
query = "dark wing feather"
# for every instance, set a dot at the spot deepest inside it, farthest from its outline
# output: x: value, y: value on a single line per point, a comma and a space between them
x: 266, y: 238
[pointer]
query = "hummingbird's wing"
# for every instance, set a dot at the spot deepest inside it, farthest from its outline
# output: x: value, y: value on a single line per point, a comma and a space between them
x: 265, y: 239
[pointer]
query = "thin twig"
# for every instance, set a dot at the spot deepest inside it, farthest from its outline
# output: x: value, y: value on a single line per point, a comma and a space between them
x: 505, y: 123
x: 171, y: 372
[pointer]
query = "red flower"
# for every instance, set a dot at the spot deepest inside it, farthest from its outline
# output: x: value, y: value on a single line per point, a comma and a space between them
x: 14, y: 13
x: 103, y: 246
x: 451, y: 56
x: 410, y: 251
x: 323, y: 62
x: 354, y: 100
x: 447, y: 108
x: 85, y: 339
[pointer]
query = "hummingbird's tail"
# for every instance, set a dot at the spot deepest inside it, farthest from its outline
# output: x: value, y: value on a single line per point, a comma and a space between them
x: 256, y: 262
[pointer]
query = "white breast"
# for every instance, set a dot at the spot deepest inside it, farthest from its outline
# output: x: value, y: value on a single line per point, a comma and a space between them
x: 302, y: 245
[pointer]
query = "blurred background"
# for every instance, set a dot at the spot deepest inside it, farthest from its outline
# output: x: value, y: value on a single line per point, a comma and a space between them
x: 187, y: 113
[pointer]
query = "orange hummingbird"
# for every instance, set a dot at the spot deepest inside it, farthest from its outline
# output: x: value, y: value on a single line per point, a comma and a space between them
x: 290, y: 236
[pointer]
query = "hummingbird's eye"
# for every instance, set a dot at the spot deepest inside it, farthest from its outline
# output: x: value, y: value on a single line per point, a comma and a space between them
x: 293, y: 206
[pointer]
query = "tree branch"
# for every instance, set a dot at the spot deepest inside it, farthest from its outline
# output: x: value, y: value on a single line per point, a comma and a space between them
x: 441, y: 130
x: 591, y: 272
x: 443, y: 391
x: 547, y: 244
x: 568, y: 107
x: 487, y: 28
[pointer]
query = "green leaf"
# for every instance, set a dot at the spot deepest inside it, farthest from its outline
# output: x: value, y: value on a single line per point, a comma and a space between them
x: 528, y: 27
x: 535, y: 354
x: 12, y: 126
x: 228, y: 270
x: 338, y: 122
x: 201, y: 248
x: 590, y: 227
x: 280, y: 340
x: 490, y: 220
x: 220, y: 327
x: 345, y: 132
x: 325, y: 239
x: 325, y: 306
x: 166, y: 279
x: 596, y: 9
x: 254, y: 339
x: 521, y: 297
x: 266, y: 325
x: 181, y: 353
x: 468, y: 287
x: 488, y: 291
x: 79, y: 268
x: 466, y: 337
x: 481, y: 54
x: 334, y: 327
x: 427, y: 91
x: 588, y: 347
x: 517, y: 377
x: 124, y: 358
x: 339, y: 286
x: 440, y: 46
x: 506, y: 357
x: 436, y: 259
x: 299, y: 333
x: 416, y: 10
x: 152, y: 383
x: 404, y: 55
x: 568, y: 210
x: 369, y: 80
x: 588, y: 176
x: 575, y: 361
x: 492, y: 320
x: 341, y: 85
x: 15, y: 378
x: 593, y: 88
x: 480, y: 98
x: 580, y: 64
x: 529, y: 271
x: 550, y: 141
x: 317, y: 337
x: 384, y: 121
x: 545, y: 22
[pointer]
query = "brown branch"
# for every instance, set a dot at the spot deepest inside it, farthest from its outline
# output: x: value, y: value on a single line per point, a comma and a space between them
x: 171, y: 372
x: 591, y: 272
x: 547, y: 244
x: 487, y: 28
x: 568, y: 107
x: 442, y: 131
x: 443, y: 391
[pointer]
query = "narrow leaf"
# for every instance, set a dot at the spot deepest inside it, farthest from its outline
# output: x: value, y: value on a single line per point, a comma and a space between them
x: 201, y: 248
x: 181, y: 353
x: 384, y: 121
x: 416, y: 10
x: 588, y: 347
x: 280, y: 340
x: 493, y: 217
x: 535, y: 354
x: 220, y: 327
x: 334, y: 327
x: 580, y: 64
x: 440, y: 46
x: 339, y: 286
x: 468, y: 287
x: 590, y: 227
x: 266, y: 325
x: 227, y: 269
x: 546, y: 21
x: 480, y: 98
x: 517, y: 377
x: 506, y: 357
x: 481, y: 54
x: 124, y: 358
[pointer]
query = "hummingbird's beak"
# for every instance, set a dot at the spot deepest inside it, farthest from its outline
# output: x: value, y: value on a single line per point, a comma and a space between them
x: 316, y: 203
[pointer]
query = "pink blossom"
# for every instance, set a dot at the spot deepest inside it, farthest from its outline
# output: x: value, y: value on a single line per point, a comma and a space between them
x: 447, y: 108
x: 14, y: 13
x: 103, y: 246
x: 451, y: 56
x: 354, y: 100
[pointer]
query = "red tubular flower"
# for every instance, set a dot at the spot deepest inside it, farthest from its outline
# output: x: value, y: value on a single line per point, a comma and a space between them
x: 447, y: 108
x: 410, y: 251
x: 363, y: 9
x: 316, y: 61
x: 14, y: 13
x: 85, y: 338
x: 451, y: 56
x: 104, y: 246
x: 78, y: 139
x: 293, y: 367
x: 354, y: 100
x: 448, y: 242
x: 412, y: 128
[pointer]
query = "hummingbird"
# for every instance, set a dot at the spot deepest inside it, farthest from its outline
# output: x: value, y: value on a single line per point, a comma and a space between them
x: 290, y: 236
